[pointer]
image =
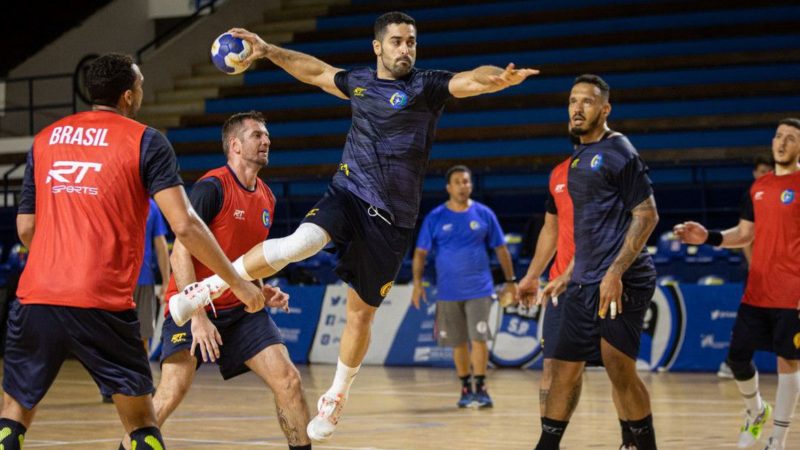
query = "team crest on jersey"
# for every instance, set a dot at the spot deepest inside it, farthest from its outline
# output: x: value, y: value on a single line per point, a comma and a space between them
x: 597, y: 162
x: 265, y: 218
x: 386, y: 288
x: 787, y: 196
x: 796, y: 341
x: 474, y: 225
x: 398, y: 100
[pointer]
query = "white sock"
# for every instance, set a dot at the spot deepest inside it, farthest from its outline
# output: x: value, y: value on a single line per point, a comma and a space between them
x: 218, y: 285
x: 785, y: 402
x: 752, y: 398
x: 343, y: 379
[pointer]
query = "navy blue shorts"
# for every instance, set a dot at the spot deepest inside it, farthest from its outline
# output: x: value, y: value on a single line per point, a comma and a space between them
x: 370, y: 249
x: 582, y: 329
x: 244, y: 335
x: 774, y: 330
x: 551, y: 324
x: 40, y: 337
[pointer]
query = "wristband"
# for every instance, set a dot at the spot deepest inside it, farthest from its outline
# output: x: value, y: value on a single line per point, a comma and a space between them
x: 511, y: 280
x: 714, y: 238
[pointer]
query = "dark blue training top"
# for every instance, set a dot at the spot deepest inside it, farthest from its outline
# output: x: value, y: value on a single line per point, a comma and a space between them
x: 607, y: 179
x: 389, y: 142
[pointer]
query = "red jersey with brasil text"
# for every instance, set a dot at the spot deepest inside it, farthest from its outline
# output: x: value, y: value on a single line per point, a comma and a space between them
x: 243, y: 219
x: 560, y: 203
x: 91, y: 206
x: 774, y: 277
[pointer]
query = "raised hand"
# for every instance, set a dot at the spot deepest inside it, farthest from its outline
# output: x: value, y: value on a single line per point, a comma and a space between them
x: 691, y: 233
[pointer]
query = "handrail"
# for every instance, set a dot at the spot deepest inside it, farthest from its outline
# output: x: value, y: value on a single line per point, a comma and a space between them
x: 6, y: 176
x: 210, y: 4
x: 31, y: 108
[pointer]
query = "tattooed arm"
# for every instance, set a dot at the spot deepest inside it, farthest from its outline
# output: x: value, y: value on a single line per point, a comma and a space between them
x: 645, y: 218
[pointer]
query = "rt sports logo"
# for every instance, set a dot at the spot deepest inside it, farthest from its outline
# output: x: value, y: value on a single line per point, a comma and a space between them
x: 72, y: 173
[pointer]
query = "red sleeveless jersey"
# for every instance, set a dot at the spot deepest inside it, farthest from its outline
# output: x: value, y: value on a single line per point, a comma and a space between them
x: 565, y: 248
x: 774, y: 277
x: 91, y: 209
x: 243, y: 221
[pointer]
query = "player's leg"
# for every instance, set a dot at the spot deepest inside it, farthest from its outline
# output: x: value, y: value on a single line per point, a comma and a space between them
x: 786, y: 344
x: 451, y: 326
x: 551, y: 323
x: 477, y: 320
x: 634, y: 400
x: 628, y: 441
x: 752, y: 330
x: 353, y: 347
x: 275, y: 367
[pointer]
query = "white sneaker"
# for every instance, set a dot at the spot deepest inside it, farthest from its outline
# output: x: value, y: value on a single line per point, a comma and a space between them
x: 773, y: 444
x: 750, y: 433
x: 322, y: 426
x: 183, y: 304
x: 724, y: 371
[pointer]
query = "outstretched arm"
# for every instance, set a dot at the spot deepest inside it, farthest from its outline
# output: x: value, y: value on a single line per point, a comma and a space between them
x: 487, y: 79
x: 305, y: 68
x: 739, y: 236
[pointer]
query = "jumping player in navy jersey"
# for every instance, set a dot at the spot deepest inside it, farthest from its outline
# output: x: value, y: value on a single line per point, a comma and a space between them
x: 612, y: 276
x: 371, y: 207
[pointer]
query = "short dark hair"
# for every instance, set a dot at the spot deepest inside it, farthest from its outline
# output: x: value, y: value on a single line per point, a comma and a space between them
x: 601, y: 84
x: 234, y: 123
x: 456, y: 169
x: 762, y: 161
x: 389, y: 18
x: 791, y: 121
x: 108, y: 77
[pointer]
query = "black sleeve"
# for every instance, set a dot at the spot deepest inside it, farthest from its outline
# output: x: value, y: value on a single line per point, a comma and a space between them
x: 634, y: 184
x: 746, y: 209
x: 340, y: 79
x: 159, y: 165
x: 550, y: 204
x: 437, y: 87
x: 27, y: 196
x: 206, y: 198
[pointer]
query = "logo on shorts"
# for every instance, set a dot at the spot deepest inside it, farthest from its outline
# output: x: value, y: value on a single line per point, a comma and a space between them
x: 597, y: 162
x: 796, y: 341
x: 787, y: 196
x: 398, y: 100
x: 482, y: 327
x: 474, y: 225
x: 178, y: 338
x: 313, y: 212
x: 265, y: 218
x: 386, y: 288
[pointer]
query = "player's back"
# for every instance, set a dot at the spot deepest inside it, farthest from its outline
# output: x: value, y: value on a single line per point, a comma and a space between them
x: 91, y: 207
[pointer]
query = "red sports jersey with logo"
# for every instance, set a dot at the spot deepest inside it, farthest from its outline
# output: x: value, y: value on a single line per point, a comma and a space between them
x: 243, y: 221
x: 565, y: 249
x: 774, y: 277
x: 91, y: 209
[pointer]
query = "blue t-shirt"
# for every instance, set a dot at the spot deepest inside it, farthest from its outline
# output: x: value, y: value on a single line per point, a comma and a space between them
x: 389, y: 142
x: 607, y: 179
x: 155, y: 227
x: 460, y: 241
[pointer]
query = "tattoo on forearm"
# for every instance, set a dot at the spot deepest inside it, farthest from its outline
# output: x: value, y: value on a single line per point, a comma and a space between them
x: 645, y: 217
x: 292, y: 436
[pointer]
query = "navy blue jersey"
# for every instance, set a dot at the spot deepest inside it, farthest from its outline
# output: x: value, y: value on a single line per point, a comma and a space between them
x: 389, y: 142
x: 607, y: 179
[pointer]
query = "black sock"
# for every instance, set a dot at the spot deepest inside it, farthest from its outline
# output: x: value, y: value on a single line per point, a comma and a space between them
x: 121, y: 447
x: 627, y: 435
x: 300, y: 447
x: 14, y: 440
x: 644, y: 433
x: 149, y: 436
x: 479, y: 381
x: 552, y: 432
x: 466, y: 383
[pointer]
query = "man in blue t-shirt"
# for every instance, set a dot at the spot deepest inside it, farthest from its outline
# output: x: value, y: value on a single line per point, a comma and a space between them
x: 612, y: 276
x: 459, y: 232
x: 371, y: 207
x: 144, y: 295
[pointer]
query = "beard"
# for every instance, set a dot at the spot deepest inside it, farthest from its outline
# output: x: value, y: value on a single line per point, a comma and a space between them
x: 586, y: 128
x: 398, y: 70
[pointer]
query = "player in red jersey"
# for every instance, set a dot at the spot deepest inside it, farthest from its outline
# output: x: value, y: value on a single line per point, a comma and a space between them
x: 556, y: 239
x: 82, y: 212
x: 239, y: 209
x: 768, y: 318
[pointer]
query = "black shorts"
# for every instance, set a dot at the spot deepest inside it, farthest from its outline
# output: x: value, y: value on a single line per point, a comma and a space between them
x: 551, y: 324
x: 774, y: 330
x: 370, y: 249
x: 582, y: 329
x: 40, y: 337
x: 244, y: 335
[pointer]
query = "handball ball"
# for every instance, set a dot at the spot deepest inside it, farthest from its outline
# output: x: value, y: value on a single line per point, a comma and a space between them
x: 228, y: 53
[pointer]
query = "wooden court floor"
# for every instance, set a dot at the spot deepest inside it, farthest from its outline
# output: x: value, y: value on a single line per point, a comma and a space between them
x: 401, y: 408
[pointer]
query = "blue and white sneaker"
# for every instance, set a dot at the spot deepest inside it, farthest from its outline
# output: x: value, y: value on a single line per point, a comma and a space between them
x: 482, y: 399
x: 467, y: 398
